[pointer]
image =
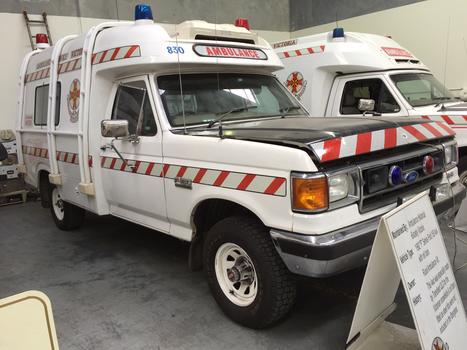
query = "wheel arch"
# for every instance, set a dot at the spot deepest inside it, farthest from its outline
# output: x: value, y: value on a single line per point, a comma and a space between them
x: 218, y: 209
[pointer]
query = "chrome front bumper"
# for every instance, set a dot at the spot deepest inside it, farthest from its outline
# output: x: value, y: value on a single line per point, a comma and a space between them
x: 344, y: 249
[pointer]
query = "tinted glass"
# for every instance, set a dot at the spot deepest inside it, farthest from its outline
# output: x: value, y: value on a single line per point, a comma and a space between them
x: 41, y: 105
x: 208, y: 96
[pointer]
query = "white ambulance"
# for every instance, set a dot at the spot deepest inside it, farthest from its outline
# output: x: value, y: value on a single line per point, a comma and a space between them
x: 190, y: 134
x: 353, y: 74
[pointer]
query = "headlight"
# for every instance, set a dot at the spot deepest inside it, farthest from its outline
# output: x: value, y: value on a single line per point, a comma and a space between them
x: 450, y: 154
x: 319, y: 192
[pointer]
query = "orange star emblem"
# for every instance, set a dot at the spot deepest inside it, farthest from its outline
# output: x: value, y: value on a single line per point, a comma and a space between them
x: 295, y: 82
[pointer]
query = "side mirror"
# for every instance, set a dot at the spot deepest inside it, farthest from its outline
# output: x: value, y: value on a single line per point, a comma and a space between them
x: 114, y: 128
x: 3, y: 153
x: 366, y: 105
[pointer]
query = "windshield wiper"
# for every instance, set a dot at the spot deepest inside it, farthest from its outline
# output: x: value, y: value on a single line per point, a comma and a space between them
x: 443, y: 98
x: 225, y: 114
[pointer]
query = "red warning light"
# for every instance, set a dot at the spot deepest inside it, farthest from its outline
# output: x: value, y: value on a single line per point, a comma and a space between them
x: 42, y: 39
x: 242, y: 22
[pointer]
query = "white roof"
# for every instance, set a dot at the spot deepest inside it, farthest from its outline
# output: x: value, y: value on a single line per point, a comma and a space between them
x: 353, y: 53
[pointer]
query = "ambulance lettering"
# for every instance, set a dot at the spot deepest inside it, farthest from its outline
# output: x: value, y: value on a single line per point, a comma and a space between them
x: 229, y: 52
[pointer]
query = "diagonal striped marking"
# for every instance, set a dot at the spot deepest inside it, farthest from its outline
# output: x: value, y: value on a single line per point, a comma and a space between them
x: 431, y: 129
x: 363, y: 143
x: 446, y: 128
x: 243, y: 185
x: 414, y: 132
x: 221, y: 178
x: 200, y: 175
x: 275, y: 185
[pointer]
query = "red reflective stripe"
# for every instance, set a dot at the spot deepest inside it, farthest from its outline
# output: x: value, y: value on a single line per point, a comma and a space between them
x: 431, y: 129
x: 103, y: 56
x: 115, y: 54
x: 130, y: 51
x: 332, y: 149
x: 363, y: 143
x: 165, y: 169
x: 93, y: 58
x: 417, y: 134
x: 446, y: 128
x: 149, y: 169
x: 73, y: 159
x: 390, y: 138
x: 199, y: 175
x: 274, y: 185
x: 425, y: 117
x: 298, y: 52
x: 76, y: 64
x: 465, y: 117
x: 90, y: 161
x: 286, y: 54
x: 123, y: 166
x: 136, y: 167
x: 246, y: 182
x: 66, y: 157
x: 221, y: 178
x: 310, y: 50
x: 181, y: 171
x: 58, y: 155
x: 103, y: 161
x: 322, y: 47
x: 447, y: 119
x: 112, y: 164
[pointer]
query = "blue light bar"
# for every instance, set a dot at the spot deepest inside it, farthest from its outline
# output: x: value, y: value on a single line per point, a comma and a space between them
x: 338, y: 33
x: 143, y: 11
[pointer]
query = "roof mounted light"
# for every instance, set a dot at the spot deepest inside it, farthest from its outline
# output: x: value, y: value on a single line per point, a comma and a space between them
x: 338, y: 33
x: 242, y: 22
x: 143, y: 12
x: 42, y: 41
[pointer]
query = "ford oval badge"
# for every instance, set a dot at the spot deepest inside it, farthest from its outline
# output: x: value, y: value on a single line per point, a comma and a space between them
x: 411, y: 177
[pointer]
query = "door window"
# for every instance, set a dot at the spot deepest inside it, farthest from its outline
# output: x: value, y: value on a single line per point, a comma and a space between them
x: 373, y: 89
x: 132, y: 104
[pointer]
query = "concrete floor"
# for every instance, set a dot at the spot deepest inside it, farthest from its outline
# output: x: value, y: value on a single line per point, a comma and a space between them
x: 115, y: 285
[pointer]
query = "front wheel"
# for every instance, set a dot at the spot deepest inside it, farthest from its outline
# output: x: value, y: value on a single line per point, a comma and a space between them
x: 247, y: 277
x: 66, y: 216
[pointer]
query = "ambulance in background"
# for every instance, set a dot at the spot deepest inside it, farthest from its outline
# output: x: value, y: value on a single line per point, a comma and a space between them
x: 346, y: 74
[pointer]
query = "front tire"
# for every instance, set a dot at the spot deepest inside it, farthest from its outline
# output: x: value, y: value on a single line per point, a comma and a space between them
x: 247, y: 277
x: 66, y: 216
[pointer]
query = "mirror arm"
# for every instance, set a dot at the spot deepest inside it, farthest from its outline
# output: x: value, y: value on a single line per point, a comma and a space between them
x: 112, y: 146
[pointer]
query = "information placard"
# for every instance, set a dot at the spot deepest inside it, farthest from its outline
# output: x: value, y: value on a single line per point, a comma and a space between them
x: 409, y: 246
x: 427, y: 276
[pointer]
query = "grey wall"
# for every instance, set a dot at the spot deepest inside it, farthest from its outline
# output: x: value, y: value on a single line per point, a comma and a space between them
x: 263, y: 14
x: 309, y: 13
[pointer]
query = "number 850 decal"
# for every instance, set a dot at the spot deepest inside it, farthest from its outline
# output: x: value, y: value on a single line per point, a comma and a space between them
x: 175, y: 50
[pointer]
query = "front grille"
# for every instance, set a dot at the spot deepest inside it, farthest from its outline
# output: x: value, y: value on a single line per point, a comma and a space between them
x: 373, y: 197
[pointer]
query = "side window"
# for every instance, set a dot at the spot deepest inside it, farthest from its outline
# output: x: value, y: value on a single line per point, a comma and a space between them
x: 132, y: 104
x: 41, y: 104
x: 373, y: 89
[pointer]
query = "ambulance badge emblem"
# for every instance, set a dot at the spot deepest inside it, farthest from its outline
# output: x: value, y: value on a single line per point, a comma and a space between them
x: 439, y: 344
x: 73, y: 100
x: 296, y: 84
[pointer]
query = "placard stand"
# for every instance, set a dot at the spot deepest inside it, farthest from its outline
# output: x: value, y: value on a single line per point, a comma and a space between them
x: 409, y: 246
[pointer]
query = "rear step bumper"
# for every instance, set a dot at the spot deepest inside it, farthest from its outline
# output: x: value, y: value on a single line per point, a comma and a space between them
x: 344, y: 249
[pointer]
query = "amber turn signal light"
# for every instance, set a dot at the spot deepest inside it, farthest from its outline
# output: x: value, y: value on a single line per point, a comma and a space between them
x: 310, y: 194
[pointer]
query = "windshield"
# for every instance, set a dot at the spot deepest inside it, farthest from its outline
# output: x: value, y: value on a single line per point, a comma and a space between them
x: 207, y: 97
x: 421, y: 89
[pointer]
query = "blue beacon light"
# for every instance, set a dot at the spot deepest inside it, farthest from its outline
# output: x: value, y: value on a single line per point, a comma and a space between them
x: 143, y: 11
x: 338, y: 33
x: 395, y: 175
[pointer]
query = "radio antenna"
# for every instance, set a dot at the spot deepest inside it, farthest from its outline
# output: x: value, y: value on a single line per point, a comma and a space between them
x: 116, y: 9
x: 446, y: 56
x: 221, y: 130
x: 181, y: 84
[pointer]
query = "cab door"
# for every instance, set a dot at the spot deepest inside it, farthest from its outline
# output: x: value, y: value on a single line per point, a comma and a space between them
x: 134, y: 186
x: 349, y: 90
